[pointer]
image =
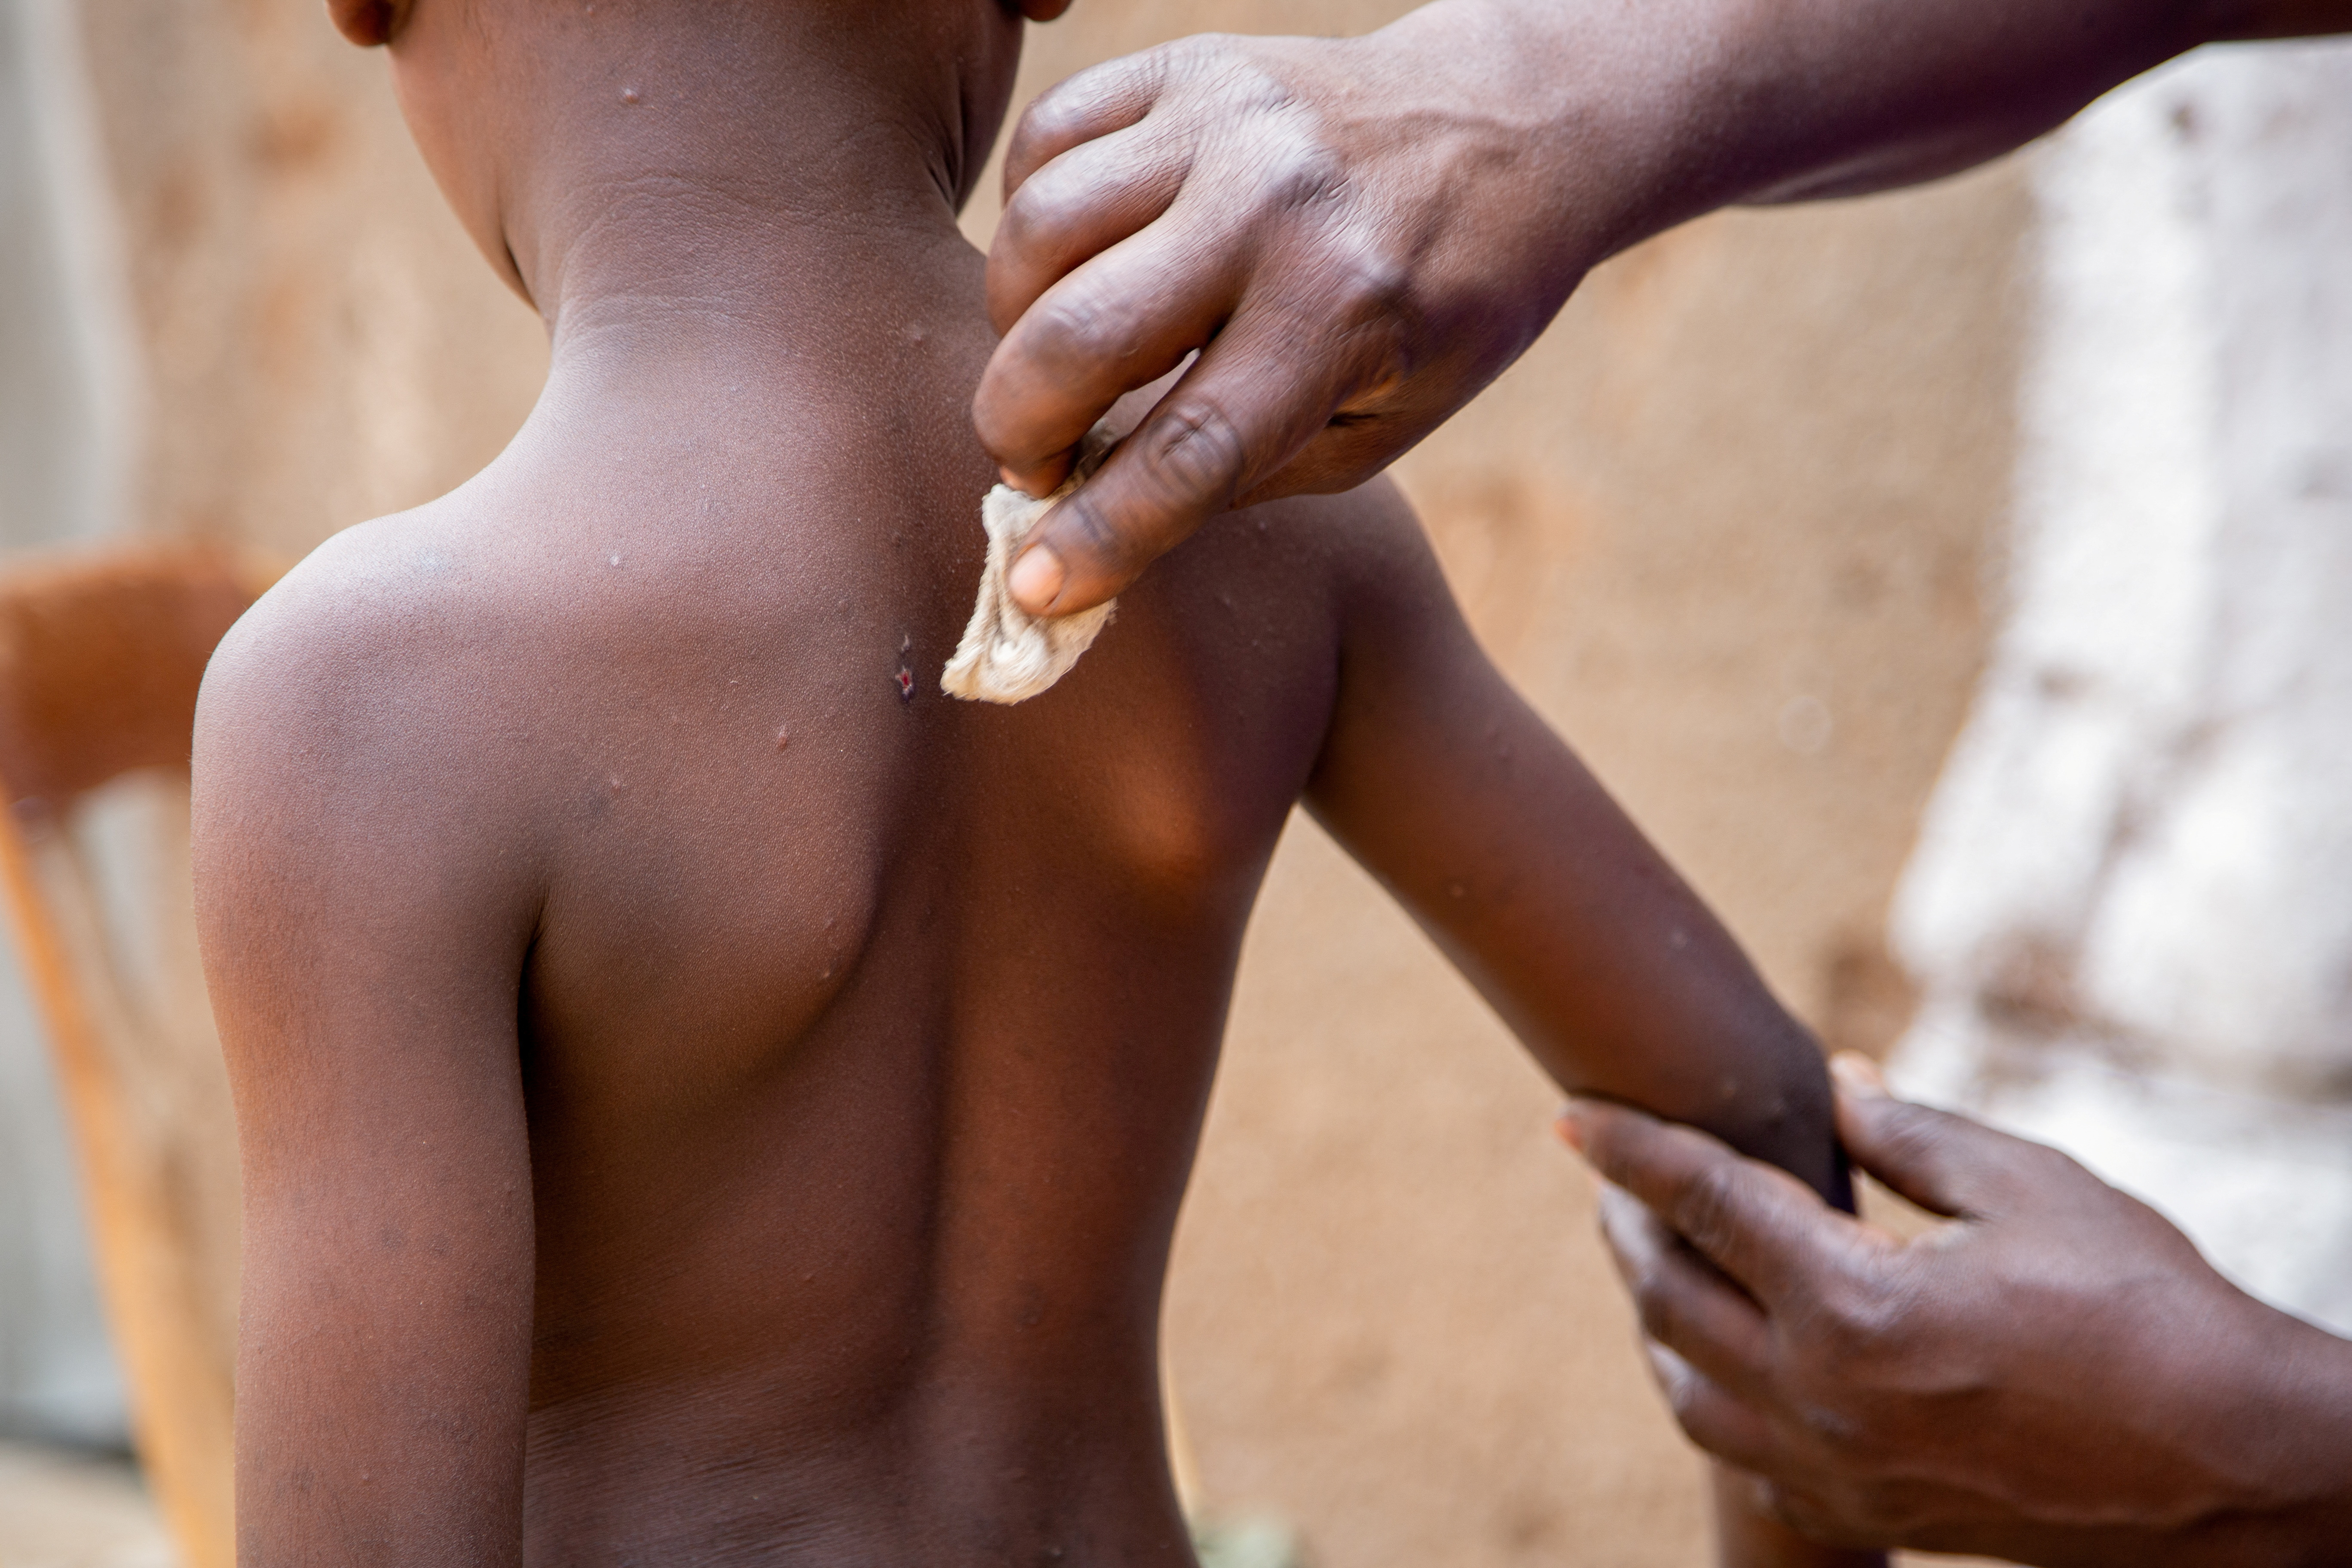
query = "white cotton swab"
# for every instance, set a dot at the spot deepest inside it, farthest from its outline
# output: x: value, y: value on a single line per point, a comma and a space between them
x: 1007, y: 655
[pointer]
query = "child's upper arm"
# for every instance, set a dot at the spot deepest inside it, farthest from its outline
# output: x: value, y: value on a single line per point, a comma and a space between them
x: 363, y: 931
x: 1441, y: 781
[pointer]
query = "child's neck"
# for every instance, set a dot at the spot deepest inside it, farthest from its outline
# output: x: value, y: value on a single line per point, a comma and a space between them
x: 644, y: 257
x: 768, y: 183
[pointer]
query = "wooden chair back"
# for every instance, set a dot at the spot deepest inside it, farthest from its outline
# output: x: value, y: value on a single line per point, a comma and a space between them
x: 100, y: 656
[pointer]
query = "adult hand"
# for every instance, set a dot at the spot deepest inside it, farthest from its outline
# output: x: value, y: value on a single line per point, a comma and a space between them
x: 2051, y: 1374
x: 1359, y: 234
x: 1356, y: 234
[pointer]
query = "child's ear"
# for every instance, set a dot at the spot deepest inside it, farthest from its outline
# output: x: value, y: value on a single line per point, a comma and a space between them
x: 368, y: 22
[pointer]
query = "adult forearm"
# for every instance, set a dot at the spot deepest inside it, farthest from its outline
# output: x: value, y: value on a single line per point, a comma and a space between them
x: 1660, y: 110
x: 1836, y: 96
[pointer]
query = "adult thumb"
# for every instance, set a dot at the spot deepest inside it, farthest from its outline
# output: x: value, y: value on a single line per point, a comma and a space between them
x: 1946, y: 1163
x: 1154, y: 490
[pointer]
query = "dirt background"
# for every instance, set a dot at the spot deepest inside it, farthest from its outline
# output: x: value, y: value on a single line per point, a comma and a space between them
x: 1729, y: 525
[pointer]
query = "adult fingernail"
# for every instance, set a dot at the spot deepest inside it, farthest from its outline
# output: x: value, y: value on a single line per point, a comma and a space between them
x: 1569, y: 1125
x: 1858, y: 1076
x: 1036, y: 579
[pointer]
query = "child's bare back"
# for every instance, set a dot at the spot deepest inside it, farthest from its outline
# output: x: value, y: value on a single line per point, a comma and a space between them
x: 707, y: 1095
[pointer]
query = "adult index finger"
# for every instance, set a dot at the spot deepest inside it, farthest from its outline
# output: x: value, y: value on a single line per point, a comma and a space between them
x: 1076, y: 208
x: 1761, y: 1225
x: 1120, y: 322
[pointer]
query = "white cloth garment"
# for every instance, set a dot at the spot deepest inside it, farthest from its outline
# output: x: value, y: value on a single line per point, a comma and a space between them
x: 1007, y: 655
x: 2131, y: 903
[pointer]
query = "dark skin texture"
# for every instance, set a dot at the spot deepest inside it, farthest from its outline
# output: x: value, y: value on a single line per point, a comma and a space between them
x: 697, y: 1103
x: 1359, y: 234
x: 2165, y: 1418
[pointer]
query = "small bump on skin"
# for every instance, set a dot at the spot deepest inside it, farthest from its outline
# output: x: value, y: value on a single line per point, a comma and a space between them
x: 628, y: 95
x: 906, y: 679
x: 613, y: 559
x: 783, y: 737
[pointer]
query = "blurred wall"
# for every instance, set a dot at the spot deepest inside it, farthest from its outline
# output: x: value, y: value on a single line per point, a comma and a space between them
x: 320, y: 343
x: 1728, y: 526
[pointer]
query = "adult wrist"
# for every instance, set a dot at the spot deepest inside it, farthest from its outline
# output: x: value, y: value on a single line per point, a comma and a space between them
x: 1622, y: 106
x: 2295, y: 1413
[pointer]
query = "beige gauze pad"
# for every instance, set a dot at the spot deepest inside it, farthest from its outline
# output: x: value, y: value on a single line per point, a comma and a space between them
x: 1007, y: 655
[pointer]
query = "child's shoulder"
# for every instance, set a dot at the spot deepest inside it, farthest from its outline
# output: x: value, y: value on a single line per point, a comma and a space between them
x: 382, y: 662
x: 1364, y: 550
x: 377, y: 604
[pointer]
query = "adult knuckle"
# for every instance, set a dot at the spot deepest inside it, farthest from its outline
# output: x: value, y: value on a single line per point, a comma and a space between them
x: 1829, y: 1426
x: 1046, y: 122
x: 1707, y: 1209
x: 1044, y: 209
x: 1194, y: 54
x: 1081, y: 96
x: 1082, y: 326
x: 1237, y: 71
x: 1915, y: 1135
x: 1654, y: 1306
x: 1368, y: 279
x: 1684, y: 1395
x: 1298, y: 175
x: 1080, y: 530
x: 1195, y: 452
x: 1041, y: 123
x: 1369, y: 294
x: 1858, y: 1322
x: 1684, y: 1404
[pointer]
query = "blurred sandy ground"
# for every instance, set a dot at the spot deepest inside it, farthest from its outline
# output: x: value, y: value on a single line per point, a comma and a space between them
x: 1729, y: 526
x: 61, y: 1511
